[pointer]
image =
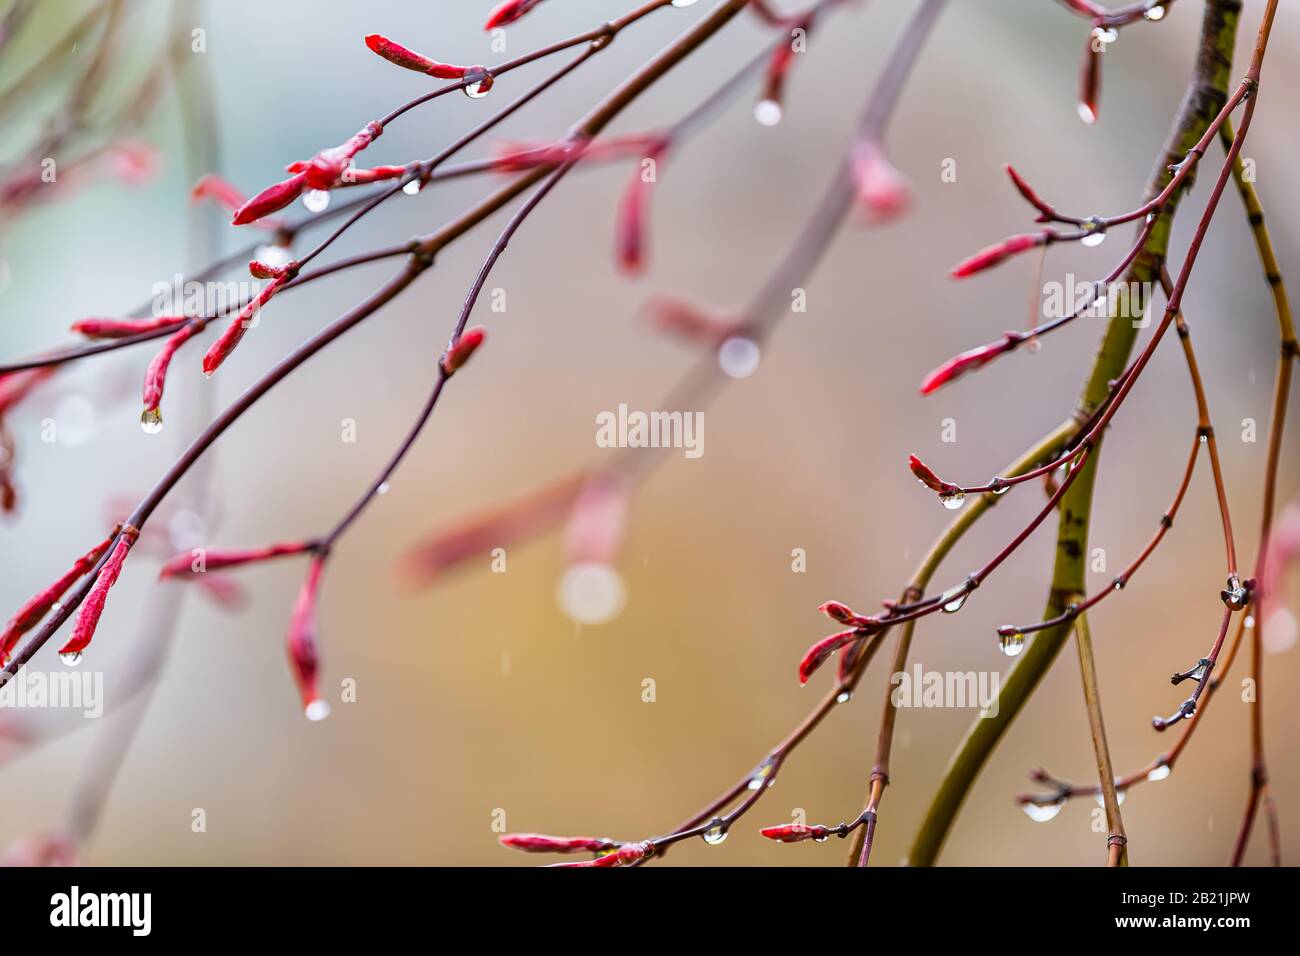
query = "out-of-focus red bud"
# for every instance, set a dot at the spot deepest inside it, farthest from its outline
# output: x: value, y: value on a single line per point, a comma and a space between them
x: 598, y: 521
x: 541, y: 843
x: 134, y: 163
x: 92, y: 608
x: 155, y: 376
x: 123, y: 328
x: 458, y: 353
x: 819, y: 652
x: 224, y: 591
x: 41, y: 849
x: 219, y: 190
x: 1282, y: 549
x: 882, y: 190
x: 200, y: 561
x: 968, y: 361
x: 795, y: 833
x: 397, y: 54
x: 30, y: 614
x: 629, y: 232
x: 497, y: 527
x: 300, y: 644
x: 990, y: 256
x: 686, y: 320
x: 508, y: 12
x: 271, y: 199
x: 16, y: 386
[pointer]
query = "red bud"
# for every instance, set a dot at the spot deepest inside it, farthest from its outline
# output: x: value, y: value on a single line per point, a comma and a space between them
x: 30, y: 614
x: 219, y: 190
x: 123, y: 328
x: 631, y: 224
x: 1089, y: 81
x: 225, y: 344
x: 410, y: 60
x: 270, y: 199
x: 300, y: 644
x: 541, y: 843
x: 990, y: 256
x: 968, y: 361
x: 155, y: 376
x: 683, y: 319
x: 881, y: 189
x: 819, y: 652
x: 626, y: 855
x: 509, y: 12
x: 92, y: 608
x: 795, y: 833
x: 458, y: 353
x: 926, y: 476
x: 201, y: 561
x: 16, y: 386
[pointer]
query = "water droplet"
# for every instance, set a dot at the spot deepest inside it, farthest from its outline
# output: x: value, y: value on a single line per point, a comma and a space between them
x: 684, y: 3
x: 1119, y: 798
x: 952, y: 500
x: 317, y: 710
x: 382, y: 489
x: 1198, y: 672
x: 1086, y: 114
x: 208, y: 373
x: 412, y: 188
x: 1001, y: 490
x: 1093, y: 239
x: 1154, y: 14
x: 479, y: 88
x: 273, y: 255
x: 56, y: 607
x: 1044, y: 812
x: 71, y: 659
x: 1105, y: 34
x: 767, y: 112
x: 821, y: 837
x: 953, y: 599
x: 716, y: 834
x: 591, y: 593
x: 151, y: 421
x: 1160, y: 773
x: 761, y: 773
x: 843, y: 697
x: 316, y: 200
x: 738, y: 356
x: 1011, y: 643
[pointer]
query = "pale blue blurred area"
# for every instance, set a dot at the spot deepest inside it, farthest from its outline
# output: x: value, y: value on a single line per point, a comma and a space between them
x: 479, y: 695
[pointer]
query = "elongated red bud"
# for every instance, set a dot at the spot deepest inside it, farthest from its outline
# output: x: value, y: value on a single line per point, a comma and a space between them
x: 1090, y: 78
x: 795, y: 833
x: 770, y: 106
x: 968, y: 361
x: 376, y: 174
x: 200, y: 560
x: 497, y: 527
x: 598, y: 521
x: 990, y: 256
x: 123, y: 328
x: 630, y: 227
x: 541, y: 843
x: 397, y: 54
x: 882, y: 191
x: 1031, y: 197
x: 819, y: 652
x: 300, y: 645
x: 843, y: 614
x: 326, y: 169
x: 155, y: 376
x: 459, y: 352
x: 508, y: 12
x: 626, y: 855
x: 271, y: 199
x: 220, y: 350
x: 927, y: 477
x: 1281, y: 549
x: 683, y: 319
x: 30, y: 614
x: 92, y: 608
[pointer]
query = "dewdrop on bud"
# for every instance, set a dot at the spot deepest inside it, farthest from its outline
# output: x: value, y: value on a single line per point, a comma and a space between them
x: 762, y: 776
x: 1042, y: 812
x: 738, y: 356
x: 681, y: 4
x: 1154, y: 14
x: 1160, y: 772
x: 768, y: 112
x: 953, y: 599
x: 1096, y: 232
x: 952, y: 500
x: 317, y: 710
x: 316, y: 200
x: 480, y: 87
x: 591, y: 593
x: 151, y: 421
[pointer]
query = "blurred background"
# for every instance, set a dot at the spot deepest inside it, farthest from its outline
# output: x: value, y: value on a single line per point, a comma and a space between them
x: 478, y: 701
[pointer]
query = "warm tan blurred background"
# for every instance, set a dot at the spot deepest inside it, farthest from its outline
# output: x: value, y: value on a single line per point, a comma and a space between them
x: 480, y: 695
